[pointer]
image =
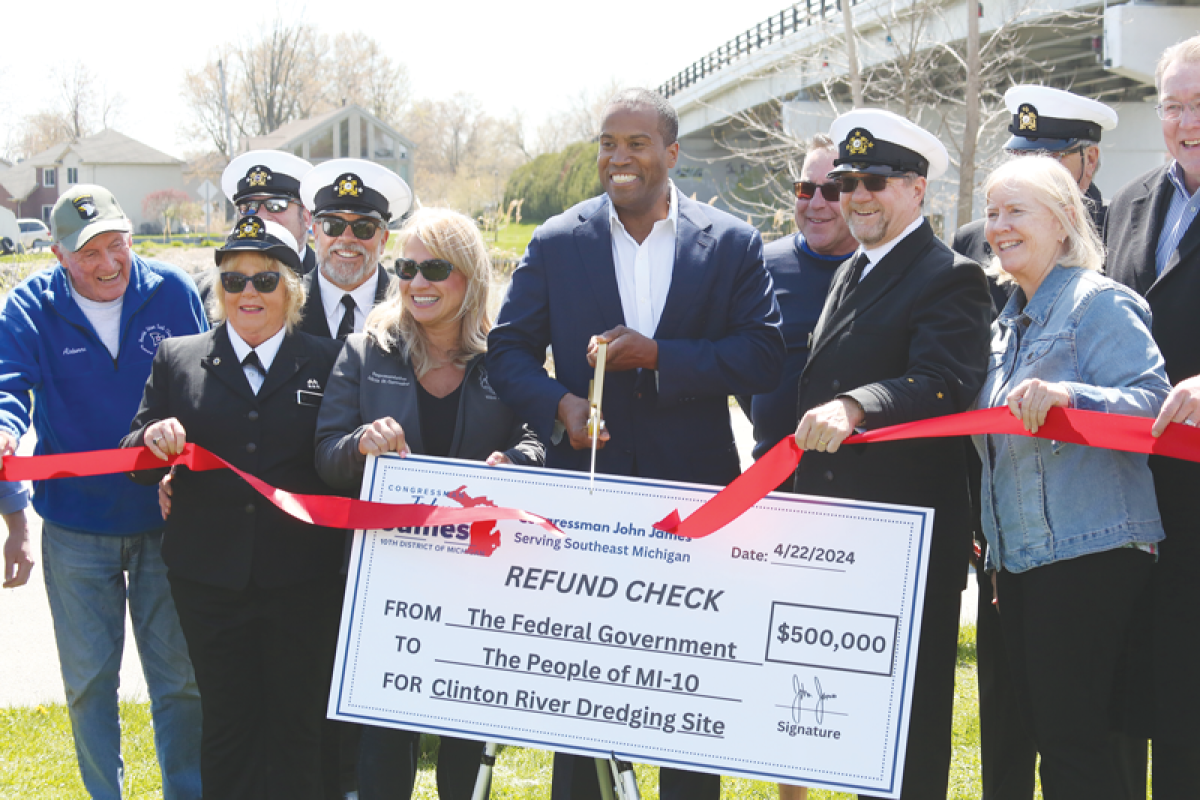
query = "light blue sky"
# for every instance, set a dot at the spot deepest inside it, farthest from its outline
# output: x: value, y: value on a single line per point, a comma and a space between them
x: 534, y: 54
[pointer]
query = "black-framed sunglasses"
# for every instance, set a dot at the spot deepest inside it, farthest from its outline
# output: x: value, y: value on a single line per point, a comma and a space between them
x: 363, y: 228
x: 872, y: 183
x: 1057, y: 155
x: 275, y: 205
x: 807, y: 190
x: 264, y: 282
x: 434, y: 270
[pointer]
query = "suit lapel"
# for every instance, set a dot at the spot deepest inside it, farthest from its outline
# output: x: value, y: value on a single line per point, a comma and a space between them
x: 593, y: 242
x: 383, y: 281
x: 693, y: 248
x: 870, y: 290
x: 288, y: 361
x: 314, y: 309
x: 222, y: 362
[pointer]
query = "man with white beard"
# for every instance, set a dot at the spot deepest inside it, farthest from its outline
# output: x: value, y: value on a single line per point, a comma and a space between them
x: 352, y: 202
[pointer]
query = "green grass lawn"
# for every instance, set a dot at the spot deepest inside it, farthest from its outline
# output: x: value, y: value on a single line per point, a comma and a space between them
x: 37, y: 758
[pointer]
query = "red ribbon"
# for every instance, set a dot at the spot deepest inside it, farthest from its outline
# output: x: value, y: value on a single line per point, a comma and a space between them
x: 330, y: 511
x: 1092, y: 428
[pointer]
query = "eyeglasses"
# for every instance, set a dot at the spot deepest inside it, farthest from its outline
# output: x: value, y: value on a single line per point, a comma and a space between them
x: 807, y: 190
x: 1172, y: 111
x: 275, y: 205
x: 264, y: 282
x: 363, y: 228
x: 434, y: 270
x: 872, y: 183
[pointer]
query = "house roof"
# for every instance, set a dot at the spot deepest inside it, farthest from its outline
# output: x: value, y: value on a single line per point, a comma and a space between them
x: 287, y: 136
x: 106, y: 147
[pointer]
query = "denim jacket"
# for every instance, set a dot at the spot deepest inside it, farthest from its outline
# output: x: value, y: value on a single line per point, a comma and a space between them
x: 1043, y: 500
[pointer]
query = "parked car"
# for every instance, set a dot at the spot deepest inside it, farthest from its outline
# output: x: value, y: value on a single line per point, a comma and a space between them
x: 34, y: 233
x: 10, y: 232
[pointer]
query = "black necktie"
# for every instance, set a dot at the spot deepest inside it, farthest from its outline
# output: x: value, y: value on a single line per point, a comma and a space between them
x: 346, y: 326
x: 251, y: 360
x: 856, y: 271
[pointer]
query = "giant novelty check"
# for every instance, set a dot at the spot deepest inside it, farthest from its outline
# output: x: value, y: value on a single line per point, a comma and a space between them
x: 780, y: 648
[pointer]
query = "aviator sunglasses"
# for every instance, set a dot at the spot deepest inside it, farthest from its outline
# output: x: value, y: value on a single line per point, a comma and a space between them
x: 872, y: 183
x: 807, y: 190
x: 363, y: 228
x: 275, y: 205
x: 264, y: 282
x: 434, y: 270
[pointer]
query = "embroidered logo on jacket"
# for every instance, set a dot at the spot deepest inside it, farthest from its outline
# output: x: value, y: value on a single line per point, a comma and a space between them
x: 152, y: 337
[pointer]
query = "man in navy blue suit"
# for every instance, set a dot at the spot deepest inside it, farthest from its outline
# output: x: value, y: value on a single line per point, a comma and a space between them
x: 680, y: 293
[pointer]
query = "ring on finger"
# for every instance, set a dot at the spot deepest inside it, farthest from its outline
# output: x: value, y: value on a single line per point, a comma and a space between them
x: 1190, y: 422
x: 157, y: 441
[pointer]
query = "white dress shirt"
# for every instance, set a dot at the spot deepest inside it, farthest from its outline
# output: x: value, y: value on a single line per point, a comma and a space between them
x: 331, y: 300
x: 875, y: 255
x: 266, y: 355
x: 644, y: 270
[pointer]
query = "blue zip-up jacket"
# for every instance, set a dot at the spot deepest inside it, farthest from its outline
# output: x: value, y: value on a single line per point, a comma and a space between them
x: 83, y: 398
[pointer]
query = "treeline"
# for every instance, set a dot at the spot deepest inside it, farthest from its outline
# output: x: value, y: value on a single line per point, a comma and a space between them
x: 554, y: 182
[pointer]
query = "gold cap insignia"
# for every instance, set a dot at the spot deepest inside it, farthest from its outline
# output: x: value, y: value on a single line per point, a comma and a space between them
x: 250, y: 228
x: 859, y: 142
x: 86, y: 206
x: 349, y: 185
x: 258, y: 176
x: 1027, y: 118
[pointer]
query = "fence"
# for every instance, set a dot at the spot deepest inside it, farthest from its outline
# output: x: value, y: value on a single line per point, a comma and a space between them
x: 776, y: 27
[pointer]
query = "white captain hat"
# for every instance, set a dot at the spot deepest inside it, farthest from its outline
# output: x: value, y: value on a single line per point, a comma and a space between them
x: 264, y: 173
x: 877, y: 142
x: 1053, y: 120
x: 355, y: 186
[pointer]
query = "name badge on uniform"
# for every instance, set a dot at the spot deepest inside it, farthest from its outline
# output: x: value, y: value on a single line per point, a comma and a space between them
x: 311, y: 399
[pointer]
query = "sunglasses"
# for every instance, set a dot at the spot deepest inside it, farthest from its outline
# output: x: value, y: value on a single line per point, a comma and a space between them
x: 434, y: 270
x: 275, y: 205
x: 807, y: 190
x: 363, y: 228
x: 872, y: 183
x: 235, y: 282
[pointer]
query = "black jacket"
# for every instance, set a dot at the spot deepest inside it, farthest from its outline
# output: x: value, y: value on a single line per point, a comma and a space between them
x: 368, y: 384
x: 909, y: 343
x: 221, y: 532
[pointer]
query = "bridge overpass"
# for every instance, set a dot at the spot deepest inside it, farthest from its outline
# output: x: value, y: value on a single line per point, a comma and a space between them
x: 745, y: 105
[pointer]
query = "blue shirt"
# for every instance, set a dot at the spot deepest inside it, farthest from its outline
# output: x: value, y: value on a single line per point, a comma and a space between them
x: 1180, y: 214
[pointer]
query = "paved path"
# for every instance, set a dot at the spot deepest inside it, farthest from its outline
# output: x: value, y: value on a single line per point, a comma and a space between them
x: 29, y: 672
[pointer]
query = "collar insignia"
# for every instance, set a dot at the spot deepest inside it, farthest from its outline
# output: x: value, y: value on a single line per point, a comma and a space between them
x: 1027, y: 117
x: 251, y: 228
x: 859, y: 142
x: 258, y: 176
x: 313, y: 384
x: 348, y: 185
x: 86, y: 206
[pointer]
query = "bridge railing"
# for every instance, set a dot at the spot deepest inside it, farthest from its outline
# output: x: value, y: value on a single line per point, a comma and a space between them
x: 795, y: 18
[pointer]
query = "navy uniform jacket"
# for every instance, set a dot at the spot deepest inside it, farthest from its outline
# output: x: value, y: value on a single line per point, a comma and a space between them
x: 221, y: 531
x: 718, y: 336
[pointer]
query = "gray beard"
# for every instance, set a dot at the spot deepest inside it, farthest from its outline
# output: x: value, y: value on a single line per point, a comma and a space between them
x: 348, y: 276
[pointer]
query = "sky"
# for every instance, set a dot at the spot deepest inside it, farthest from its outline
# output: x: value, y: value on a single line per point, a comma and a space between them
x: 532, y: 55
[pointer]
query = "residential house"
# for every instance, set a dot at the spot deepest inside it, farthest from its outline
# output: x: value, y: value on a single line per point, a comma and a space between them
x: 346, y: 132
x: 126, y: 167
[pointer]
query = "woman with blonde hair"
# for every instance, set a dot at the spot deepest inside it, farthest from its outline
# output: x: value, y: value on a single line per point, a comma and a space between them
x: 1071, y: 529
x: 423, y: 349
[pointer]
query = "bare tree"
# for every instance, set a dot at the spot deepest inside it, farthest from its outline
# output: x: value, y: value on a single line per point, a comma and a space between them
x: 362, y: 73
x: 202, y: 91
x: 279, y: 72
